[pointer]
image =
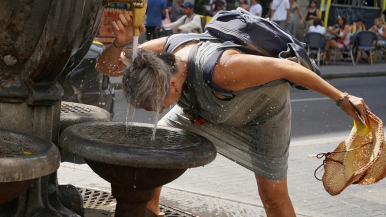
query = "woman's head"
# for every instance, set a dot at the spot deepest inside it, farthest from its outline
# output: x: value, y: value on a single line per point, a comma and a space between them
x: 313, y: 4
x: 342, y: 21
x: 146, y: 82
x: 378, y: 22
x: 317, y: 21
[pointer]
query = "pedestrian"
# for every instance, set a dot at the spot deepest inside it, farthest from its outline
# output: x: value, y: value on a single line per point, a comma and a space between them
x: 269, y: 13
x: 220, y: 7
x: 213, y: 7
x: 343, y: 35
x: 293, y: 7
x: 252, y: 129
x: 280, y: 13
x: 317, y: 27
x: 310, y: 15
x: 256, y: 8
x: 188, y: 23
x: 380, y: 29
x: 244, y: 4
x: 156, y: 9
x: 169, y: 6
x: 177, y: 11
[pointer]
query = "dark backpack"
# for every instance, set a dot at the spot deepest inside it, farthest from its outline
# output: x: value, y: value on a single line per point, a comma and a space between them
x: 259, y: 36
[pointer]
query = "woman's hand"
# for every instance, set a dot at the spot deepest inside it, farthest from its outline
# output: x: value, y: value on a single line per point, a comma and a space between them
x: 123, y: 29
x: 359, y: 103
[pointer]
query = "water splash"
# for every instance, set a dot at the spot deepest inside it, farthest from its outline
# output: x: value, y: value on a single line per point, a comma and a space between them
x: 135, y: 48
x: 155, y: 124
x: 129, y: 117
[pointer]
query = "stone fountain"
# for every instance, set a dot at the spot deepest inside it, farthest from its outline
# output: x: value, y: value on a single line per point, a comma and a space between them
x: 40, y: 43
x: 133, y: 163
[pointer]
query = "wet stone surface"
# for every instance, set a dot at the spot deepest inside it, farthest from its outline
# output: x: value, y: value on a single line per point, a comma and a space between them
x: 141, y: 137
x: 10, y: 149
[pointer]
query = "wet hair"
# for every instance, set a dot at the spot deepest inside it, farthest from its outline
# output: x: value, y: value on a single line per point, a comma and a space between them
x: 317, y: 21
x: 146, y: 80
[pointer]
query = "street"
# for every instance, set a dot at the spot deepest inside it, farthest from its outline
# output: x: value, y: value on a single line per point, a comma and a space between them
x: 313, y: 115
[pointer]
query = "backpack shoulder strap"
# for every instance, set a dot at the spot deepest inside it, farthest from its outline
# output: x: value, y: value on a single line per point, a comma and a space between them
x: 191, y: 110
x: 176, y: 40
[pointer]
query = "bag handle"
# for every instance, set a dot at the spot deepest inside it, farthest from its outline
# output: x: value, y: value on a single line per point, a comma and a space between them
x: 328, y: 155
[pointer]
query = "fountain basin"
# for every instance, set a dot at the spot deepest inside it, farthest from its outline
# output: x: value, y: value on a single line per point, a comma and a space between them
x: 108, y: 142
x: 17, y: 171
x: 133, y: 163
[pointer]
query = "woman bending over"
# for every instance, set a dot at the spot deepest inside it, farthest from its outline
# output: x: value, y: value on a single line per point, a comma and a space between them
x: 250, y: 127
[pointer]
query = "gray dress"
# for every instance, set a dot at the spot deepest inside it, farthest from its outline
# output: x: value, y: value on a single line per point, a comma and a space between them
x: 252, y: 129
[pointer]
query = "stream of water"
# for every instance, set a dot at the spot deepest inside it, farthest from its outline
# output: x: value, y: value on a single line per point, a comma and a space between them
x: 135, y: 48
x: 130, y: 108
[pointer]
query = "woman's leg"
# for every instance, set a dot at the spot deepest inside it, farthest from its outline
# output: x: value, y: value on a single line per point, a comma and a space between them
x: 330, y: 44
x: 153, y: 205
x: 275, y: 198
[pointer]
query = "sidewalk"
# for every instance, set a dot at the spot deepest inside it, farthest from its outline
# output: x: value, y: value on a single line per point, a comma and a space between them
x: 339, y: 70
x: 223, y: 188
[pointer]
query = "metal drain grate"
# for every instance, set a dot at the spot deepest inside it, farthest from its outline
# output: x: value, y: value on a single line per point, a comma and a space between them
x: 99, y: 203
x: 68, y: 107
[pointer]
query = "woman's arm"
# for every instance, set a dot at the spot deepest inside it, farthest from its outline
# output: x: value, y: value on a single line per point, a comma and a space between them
x: 109, y: 61
x: 304, y: 17
x: 346, y: 30
x: 363, y: 27
x: 298, y: 10
x: 317, y: 14
x: 334, y: 32
x: 258, y: 70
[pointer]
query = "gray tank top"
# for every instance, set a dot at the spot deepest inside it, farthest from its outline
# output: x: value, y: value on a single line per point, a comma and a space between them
x: 249, y: 107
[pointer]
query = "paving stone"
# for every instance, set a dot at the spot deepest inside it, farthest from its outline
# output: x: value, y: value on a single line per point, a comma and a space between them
x: 353, y: 200
x: 378, y: 207
x: 351, y: 212
x: 338, y: 208
x: 323, y: 206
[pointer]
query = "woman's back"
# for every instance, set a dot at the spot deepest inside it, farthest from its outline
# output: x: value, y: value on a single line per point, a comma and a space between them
x: 318, y: 29
x: 242, y: 108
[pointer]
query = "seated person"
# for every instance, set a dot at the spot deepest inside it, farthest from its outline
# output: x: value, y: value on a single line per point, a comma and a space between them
x: 343, y: 34
x: 379, y: 29
x: 189, y: 23
x: 358, y: 26
x: 335, y: 26
x: 317, y: 27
